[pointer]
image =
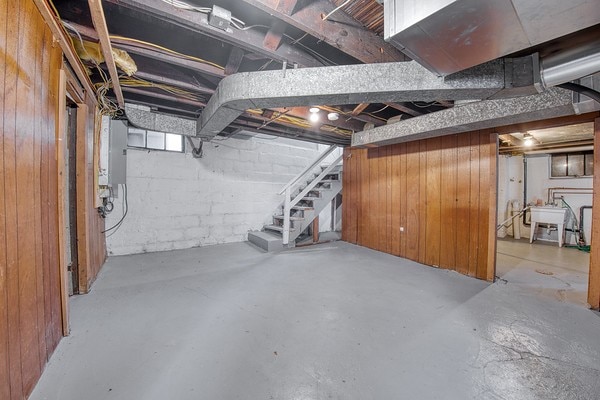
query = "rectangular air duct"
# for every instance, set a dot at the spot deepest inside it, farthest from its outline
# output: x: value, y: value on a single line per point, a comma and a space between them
x: 448, y: 36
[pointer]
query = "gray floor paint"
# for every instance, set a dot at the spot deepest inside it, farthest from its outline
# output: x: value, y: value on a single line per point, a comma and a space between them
x: 333, y: 321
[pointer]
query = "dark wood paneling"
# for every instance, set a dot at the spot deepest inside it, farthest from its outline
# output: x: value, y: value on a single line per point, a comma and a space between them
x: 349, y: 206
x: 463, y: 196
x: 10, y: 197
x: 30, y: 305
x: 473, y: 242
x: 4, y: 339
x: 433, y: 221
x: 448, y: 201
x: 594, y: 279
x: 412, y: 197
x: 396, y: 200
x: 422, y: 205
x: 441, y: 192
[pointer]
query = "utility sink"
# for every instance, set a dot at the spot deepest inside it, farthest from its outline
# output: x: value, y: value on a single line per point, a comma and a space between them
x: 548, y: 215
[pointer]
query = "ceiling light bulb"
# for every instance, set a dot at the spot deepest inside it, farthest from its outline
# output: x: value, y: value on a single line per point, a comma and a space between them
x: 314, y: 110
x: 314, y: 117
x: 333, y: 116
x: 527, y: 140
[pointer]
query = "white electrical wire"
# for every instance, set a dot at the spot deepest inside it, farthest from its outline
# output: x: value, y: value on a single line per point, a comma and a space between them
x: 236, y: 22
x: 336, y: 9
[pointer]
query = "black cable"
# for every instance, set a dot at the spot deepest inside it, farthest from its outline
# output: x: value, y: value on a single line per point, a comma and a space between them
x: 118, y: 224
x: 586, y: 91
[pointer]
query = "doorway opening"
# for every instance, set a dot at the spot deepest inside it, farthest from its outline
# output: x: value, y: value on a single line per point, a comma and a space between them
x: 545, y: 193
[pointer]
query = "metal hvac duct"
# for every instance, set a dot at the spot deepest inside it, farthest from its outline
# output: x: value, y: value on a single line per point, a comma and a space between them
x: 447, y: 36
x: 571, y: 64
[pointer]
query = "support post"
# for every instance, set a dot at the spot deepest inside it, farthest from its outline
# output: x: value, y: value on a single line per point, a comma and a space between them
x: 286, y: 216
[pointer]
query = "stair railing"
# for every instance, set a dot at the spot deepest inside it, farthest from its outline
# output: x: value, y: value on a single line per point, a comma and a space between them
x: 287, y: 190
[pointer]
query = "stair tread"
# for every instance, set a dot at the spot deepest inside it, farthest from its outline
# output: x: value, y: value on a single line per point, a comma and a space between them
x: 302, y: 208
x: 277, y: 228
x: 291, y: 218
x: 310, y: 198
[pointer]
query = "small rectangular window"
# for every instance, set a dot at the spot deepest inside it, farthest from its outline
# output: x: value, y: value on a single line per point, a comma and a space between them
x: 136, y: 138
x: 154, y: 140
x: 173, y: 142
x: 572, y: 165
x: 589, y: 164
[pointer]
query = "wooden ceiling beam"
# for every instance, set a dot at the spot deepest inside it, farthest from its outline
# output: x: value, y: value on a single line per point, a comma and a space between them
x: 274, y: 36
x: 99, y: 22
x: 404, y: 109
x: 340, y: 30
x: 251, y: 40
x: 174, y: 82
x: 287, y: 6
x: 164, y: 96
x: 151, y: 53
x: 235, y: 60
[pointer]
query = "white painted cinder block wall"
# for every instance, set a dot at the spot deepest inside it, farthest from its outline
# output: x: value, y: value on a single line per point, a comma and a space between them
x: 510, y: 187
x: 177, y: 201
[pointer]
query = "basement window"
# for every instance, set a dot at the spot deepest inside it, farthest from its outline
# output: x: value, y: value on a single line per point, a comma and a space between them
x: 152, y: 140
x: 572, y: 165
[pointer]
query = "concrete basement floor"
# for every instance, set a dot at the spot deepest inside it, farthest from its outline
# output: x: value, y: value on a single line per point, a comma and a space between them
x: 545, y: 268
x: 332, y: 321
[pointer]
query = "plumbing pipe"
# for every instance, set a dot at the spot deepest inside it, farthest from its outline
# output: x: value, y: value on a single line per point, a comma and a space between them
x: 567, y: 190
x: 525, y: 191
x: 511, y: 218
x: 581, y: 231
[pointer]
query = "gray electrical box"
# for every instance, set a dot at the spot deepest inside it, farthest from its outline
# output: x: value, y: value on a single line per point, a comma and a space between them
x: 117, y: 156
x: 219, y: 18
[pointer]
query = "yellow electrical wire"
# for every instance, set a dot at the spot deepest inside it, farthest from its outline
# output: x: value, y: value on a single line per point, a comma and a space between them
x: 138, y: 82
x: 165, y: 49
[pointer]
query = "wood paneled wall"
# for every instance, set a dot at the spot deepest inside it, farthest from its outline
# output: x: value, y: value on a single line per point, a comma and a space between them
x: 432, y: 201
x: 91, y: 240
x: 30, y: 301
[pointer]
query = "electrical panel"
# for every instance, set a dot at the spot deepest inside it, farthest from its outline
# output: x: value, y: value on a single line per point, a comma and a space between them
x: 117, y: 172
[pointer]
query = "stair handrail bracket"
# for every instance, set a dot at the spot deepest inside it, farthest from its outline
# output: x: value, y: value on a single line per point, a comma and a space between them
x: 288, y: 189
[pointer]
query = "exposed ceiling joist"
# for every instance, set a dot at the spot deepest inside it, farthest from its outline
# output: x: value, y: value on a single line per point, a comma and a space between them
x: 99, y: 22
x: 340, y: 30
x: 164, y: 96
x: 274, y: 36
x: 287, y: 6
x: 157, y: 55
x: 174, y: 82
x: 404, y: 109
x: 250, y: 40
x: 234, y: 61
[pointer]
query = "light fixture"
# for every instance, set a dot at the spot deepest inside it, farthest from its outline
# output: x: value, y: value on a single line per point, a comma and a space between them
x: 528, y: 140
x: 314, y: 117
x: 333, y: 116
x: 314, y: 110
